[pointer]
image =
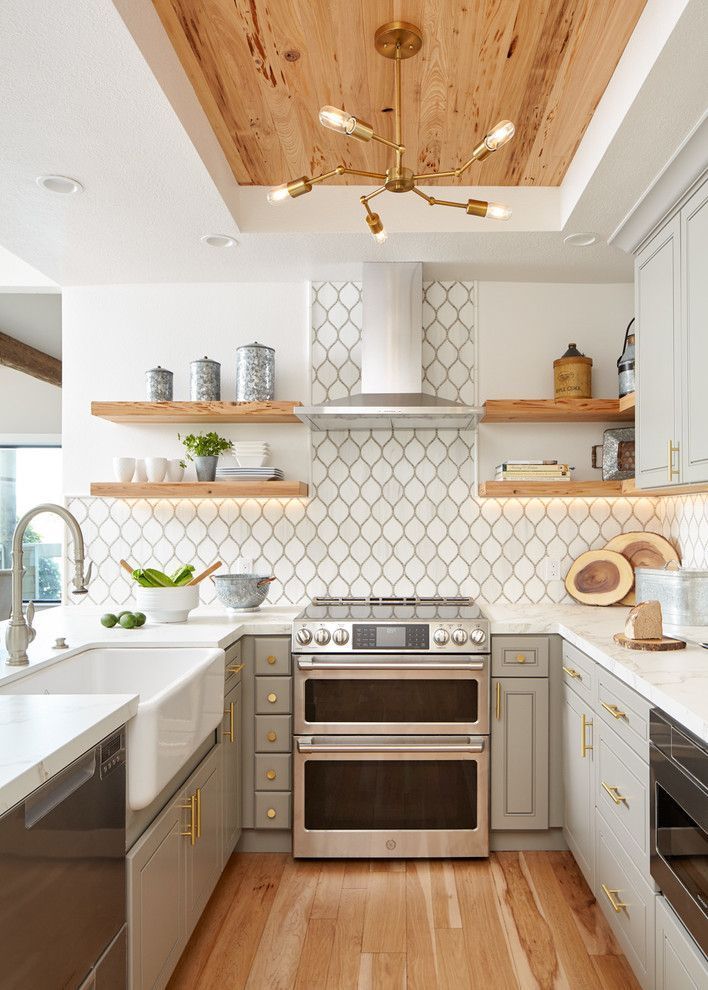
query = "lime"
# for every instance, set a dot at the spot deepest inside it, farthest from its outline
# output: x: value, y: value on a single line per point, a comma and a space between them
x: 128, y: 620
x: 121, y: 614
x: 108, y: 619
x: 139, y: 618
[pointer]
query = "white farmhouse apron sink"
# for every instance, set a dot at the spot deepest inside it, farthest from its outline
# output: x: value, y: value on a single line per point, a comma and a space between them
x: 181, y: 701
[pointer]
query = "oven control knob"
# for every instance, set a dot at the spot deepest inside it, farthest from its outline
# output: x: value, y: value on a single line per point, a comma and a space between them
x: 322, y: 637
x: 441, y: 637
x: 303, y: 636
x: 478, y: 636
x: 459, y: 637
x: 340, y: 637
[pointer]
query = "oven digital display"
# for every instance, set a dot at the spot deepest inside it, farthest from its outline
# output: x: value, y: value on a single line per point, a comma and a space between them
x: 391, y: 637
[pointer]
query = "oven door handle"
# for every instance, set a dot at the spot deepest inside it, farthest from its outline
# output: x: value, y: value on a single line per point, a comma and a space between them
x: 428, y: 747
x: 373, y: 665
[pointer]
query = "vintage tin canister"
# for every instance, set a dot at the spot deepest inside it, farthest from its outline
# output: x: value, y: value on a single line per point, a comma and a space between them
x: 255, y: 373
x: 572, y: 375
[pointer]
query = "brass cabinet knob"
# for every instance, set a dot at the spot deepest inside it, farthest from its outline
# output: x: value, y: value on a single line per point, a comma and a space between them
x: 271, y: 659
x: 272, y: 736
x: 271, y: 774
x: 272, y: 697
x: 270, y: 812
x: 521, y: 657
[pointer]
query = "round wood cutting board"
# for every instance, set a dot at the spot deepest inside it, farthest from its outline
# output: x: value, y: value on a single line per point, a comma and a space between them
x: 642, y: 550
x: 665, y: 643
x: 599, y: 577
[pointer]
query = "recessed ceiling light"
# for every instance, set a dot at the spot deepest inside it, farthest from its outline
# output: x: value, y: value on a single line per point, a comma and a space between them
x: 580, y: 240
x: 62, y: 184
x: 218, y: 240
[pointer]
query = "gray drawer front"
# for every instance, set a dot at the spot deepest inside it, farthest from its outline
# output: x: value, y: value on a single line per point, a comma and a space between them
x: 633, y: 924
x: 622, y: 795
x: 520, y: 656
x: 579, y: 671
x: 274, y: 695
x: 625, y: 711
x: 273, y: 733
x: 234, y: 659
x: 273, y: 772
x: 272, y: 655
x: 272, y: 810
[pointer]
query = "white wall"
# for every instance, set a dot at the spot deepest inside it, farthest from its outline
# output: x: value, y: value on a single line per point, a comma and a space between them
x: 112, y: 334
x: 523, y: 328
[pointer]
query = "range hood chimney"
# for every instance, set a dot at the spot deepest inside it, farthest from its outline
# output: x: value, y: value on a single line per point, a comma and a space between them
x: 391, y: 363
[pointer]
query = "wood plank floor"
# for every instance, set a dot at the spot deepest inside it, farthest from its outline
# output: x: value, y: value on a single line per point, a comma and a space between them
x: 518, y: 921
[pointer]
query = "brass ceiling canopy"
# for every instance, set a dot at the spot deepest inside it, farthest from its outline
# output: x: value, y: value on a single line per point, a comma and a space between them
x: 398, y: 40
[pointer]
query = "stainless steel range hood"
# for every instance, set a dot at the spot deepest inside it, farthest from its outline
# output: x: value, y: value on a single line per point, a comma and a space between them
x: 391, y: 363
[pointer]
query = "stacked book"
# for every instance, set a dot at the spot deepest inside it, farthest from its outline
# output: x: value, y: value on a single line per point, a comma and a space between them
x: 532, y: 471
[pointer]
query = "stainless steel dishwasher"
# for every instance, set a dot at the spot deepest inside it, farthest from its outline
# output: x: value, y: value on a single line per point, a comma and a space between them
x: 62, y: 878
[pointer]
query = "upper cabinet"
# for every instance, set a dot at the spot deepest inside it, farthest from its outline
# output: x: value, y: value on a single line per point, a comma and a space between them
x: 671, y: 286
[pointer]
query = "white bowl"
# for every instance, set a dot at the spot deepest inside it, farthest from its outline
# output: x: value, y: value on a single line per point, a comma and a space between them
x: 124, y: 469
x: 167, y: 604
x: 252, y: 460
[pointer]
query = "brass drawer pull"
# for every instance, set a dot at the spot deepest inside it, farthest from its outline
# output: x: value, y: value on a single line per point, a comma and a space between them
x: 571, y: 672
x: 272, y: 736
x: 272, y: 697
x: 673, y: 449
x: 614, y: 711
x: 191, y: 832
x: 521, y: 657
x: 585, y: 746
x: 498, y: 707
x: 230, y: 733
x: 199, y: 812
x: 271, y: 659
x: 617, y: 906
x: 270, y: 813
x: 614, y: 793
x: 271, y: 774
x: 235, y: 668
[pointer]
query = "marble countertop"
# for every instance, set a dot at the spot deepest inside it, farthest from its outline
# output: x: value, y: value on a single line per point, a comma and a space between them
x: 42, y: 734
x: 676, y: 681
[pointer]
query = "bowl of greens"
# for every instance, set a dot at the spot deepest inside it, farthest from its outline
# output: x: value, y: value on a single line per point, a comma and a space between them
x: 164, y: 597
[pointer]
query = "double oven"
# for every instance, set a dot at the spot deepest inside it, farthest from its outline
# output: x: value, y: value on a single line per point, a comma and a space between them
x: 391, y: 703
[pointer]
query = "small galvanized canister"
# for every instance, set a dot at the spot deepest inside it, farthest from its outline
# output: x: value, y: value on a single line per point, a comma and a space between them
x: 255, y: 373
x: 682, y: 594
x: 205, y: 380
x: 159, y: 383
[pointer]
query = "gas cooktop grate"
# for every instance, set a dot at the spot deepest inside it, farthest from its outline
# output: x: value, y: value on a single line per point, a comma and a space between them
x: 436, y: 600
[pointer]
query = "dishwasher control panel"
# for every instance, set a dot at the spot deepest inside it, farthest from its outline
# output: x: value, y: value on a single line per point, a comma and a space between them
x: 112, y: 752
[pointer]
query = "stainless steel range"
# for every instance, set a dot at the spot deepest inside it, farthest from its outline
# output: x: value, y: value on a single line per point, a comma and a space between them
x: 391, y: 728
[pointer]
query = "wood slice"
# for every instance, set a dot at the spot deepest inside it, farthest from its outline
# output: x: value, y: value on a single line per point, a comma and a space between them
x: 599, y: 577
x: 642, y: 550
x: 665, y: 643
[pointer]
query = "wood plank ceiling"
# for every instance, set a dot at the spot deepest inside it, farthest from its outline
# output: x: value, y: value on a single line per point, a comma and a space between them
x: 263, y: 68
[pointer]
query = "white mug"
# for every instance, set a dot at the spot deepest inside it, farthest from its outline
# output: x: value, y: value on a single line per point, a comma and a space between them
x: 156, y: 468
x: 123, y: 469
x: 175, y: 471
x: 139, y: 475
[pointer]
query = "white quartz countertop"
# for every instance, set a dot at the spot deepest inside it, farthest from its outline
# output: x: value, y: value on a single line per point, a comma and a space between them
x: 676, y: 681
x: 42, y: 734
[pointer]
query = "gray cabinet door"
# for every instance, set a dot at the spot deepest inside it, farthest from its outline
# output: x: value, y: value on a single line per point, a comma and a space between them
x: 694, y: 336
x: 231, y: 736
x: 204, y: 858
x: 519, y: 762
x: 578, y: 802
x: 680, y: 964
x: 156, y: 902
x: 657, y: 307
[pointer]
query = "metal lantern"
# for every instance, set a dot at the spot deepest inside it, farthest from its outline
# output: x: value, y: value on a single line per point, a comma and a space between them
x: 255, y: 373
x: 205, y: 380
x: 159, y: 384
x: 625, y: 363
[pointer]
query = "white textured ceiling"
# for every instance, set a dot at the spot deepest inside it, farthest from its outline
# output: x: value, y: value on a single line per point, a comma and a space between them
x: 91, y: 106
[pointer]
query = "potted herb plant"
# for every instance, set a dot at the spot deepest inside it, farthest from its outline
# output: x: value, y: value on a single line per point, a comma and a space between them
x: 204, y: 450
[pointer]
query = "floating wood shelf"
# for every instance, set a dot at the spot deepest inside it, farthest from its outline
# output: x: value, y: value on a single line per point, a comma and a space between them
x: 628, y: 401
x: 196, y: 412
x: 557, y: 411
x: 562, y: 489
x: 201, y: 489
x: 630, y: 489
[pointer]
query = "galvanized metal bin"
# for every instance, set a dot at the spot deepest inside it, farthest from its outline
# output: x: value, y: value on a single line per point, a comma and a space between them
x: 682, y: 594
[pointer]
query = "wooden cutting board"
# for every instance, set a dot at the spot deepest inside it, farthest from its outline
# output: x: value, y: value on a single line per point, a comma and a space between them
x: 642, y: 550
x: 599, y: 577
x: 665, y: 643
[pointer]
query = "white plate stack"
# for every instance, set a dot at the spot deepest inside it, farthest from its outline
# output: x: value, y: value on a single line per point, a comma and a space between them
x: 251, y: 454
x: 249, y: 473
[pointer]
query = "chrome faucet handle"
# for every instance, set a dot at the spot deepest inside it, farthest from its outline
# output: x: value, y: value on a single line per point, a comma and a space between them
x: 31, y: 631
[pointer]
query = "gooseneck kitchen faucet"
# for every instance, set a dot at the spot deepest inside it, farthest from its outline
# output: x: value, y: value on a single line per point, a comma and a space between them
x: 19, y: 631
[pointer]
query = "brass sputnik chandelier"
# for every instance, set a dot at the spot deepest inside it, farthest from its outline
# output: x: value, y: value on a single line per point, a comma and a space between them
x: 398, y: 40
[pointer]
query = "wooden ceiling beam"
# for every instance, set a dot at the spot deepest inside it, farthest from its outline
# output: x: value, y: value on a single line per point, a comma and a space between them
x: 21, y: 357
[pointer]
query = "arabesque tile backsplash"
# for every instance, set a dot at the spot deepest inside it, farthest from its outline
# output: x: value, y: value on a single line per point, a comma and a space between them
x: 390, y: 512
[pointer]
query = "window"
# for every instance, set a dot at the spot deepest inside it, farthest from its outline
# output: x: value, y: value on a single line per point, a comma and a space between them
x: 30, y: 475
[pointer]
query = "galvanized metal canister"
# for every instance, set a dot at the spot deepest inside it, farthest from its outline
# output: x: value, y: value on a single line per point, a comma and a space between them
x: 682, y: 594
x: 159, y: 384
x: 205, y: 380
x: 255, y: 373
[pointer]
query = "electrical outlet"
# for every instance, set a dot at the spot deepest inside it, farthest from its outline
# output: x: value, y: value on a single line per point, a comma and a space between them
x: 551, y: 569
